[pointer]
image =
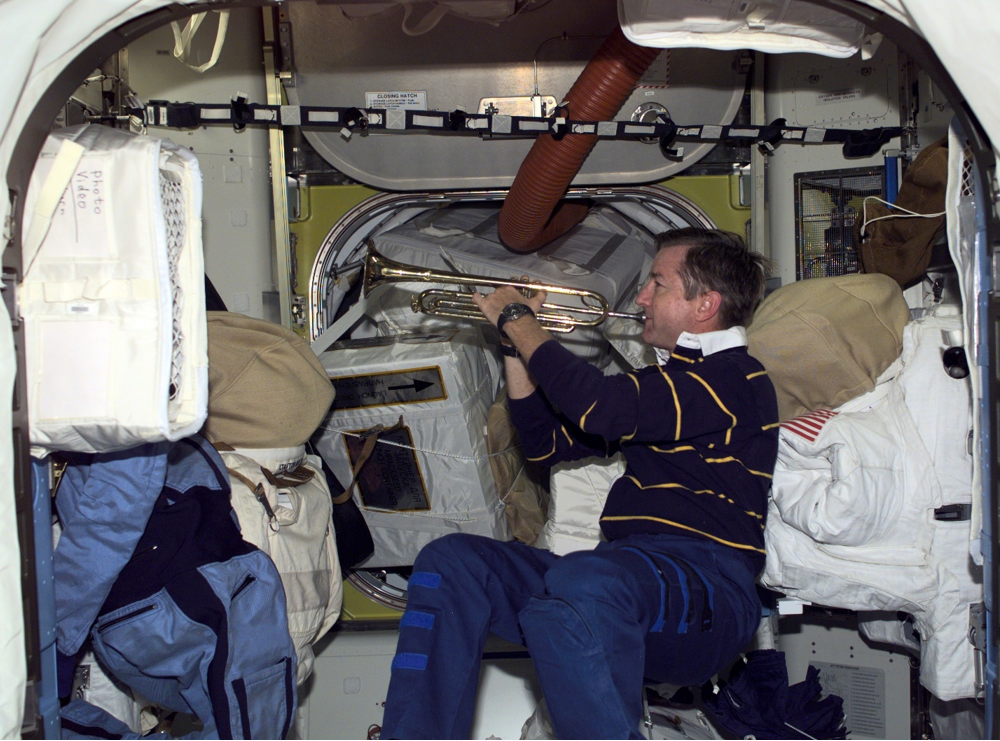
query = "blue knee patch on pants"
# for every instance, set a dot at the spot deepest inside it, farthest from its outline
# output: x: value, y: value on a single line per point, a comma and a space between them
x: 428, y: 579
x: 417, y: 619
x: 410, y: 661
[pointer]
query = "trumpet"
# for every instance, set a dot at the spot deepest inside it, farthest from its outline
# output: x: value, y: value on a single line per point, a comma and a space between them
x: 380, y: 270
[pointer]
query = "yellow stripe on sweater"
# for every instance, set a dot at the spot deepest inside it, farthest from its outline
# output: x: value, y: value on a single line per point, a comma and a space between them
x: 741, y: 546
x: 640, y: 487
x: 636, y: 382
x: 731, y: 459
x: 677, y: 403
x: 549, y: 454
x: 724, y: 497
x: 718, y: 401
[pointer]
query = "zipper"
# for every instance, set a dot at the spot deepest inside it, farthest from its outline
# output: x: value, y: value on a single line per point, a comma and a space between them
x: 129, y: 616
x: 244, y: 586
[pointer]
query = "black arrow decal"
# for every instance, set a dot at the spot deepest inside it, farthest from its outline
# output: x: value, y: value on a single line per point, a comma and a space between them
x: 417, y: 386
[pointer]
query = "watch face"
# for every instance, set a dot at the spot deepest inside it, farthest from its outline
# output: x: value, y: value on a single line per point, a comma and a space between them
x: 514, y: 311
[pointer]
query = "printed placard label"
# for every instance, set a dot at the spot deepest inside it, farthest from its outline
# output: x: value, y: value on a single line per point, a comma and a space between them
x: 391, y: 478
x: 863, y: 690
x: 839, y: 96
x: 409, y: 386
x: 414, y: 100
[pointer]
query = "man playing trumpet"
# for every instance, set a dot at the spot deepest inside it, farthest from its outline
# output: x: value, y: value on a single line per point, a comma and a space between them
x: 670, y: 594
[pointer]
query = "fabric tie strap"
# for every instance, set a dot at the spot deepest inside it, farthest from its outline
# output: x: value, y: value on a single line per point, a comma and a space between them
x: 370, y: 436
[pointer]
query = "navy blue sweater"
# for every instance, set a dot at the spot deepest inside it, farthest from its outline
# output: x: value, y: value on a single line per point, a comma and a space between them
x: 699, y: 436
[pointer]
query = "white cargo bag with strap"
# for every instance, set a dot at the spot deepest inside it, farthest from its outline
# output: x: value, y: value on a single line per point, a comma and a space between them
x: 113, y: 296
x: 430, y: 474
x: 283, y: 503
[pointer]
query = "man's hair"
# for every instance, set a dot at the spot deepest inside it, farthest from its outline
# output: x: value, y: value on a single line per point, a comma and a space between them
x: 717, y: 260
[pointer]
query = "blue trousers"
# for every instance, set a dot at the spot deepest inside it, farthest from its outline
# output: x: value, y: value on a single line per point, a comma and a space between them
x: 668, y: 608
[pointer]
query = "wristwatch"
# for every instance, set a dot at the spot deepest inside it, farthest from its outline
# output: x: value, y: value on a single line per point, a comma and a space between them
x: 510, y: 313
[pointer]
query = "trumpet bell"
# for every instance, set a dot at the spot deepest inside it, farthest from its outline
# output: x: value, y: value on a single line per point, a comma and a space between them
x: 380, y: 270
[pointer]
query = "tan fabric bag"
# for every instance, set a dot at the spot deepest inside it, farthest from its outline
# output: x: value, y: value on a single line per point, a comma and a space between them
x: 526, y: 503
x: 267, y: 388
x: 284, y: 507
x: 824, y: 341
x: 267, y: 394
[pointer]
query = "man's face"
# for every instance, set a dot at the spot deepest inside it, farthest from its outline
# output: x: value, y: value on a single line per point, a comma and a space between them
x: 668, y: 313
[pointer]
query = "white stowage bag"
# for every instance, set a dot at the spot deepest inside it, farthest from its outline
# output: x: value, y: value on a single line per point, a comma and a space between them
x: 299, y: 537
x: 92, y: 684
x: 852, y: 521
x: 594, y: 256
x: 432, y: 475
x: 578, y: 491
x: 732, y: 24
x: 113, y: 296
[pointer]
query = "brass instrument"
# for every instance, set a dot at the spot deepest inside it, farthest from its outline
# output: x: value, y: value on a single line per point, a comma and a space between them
x: 380, y: 270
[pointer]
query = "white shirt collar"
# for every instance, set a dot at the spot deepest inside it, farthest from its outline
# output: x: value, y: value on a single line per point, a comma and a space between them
x: 707, y: 342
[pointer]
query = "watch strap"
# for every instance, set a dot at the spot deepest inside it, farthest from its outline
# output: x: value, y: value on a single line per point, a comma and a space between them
x: 509, y: 350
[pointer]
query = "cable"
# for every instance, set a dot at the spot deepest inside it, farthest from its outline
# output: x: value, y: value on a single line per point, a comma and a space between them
x: 908, y: 215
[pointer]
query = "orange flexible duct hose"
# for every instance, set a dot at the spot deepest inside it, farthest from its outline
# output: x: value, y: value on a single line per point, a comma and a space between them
x: 529, y: 218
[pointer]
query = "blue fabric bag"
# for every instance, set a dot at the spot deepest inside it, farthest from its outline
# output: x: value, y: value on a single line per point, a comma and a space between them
x: 196, y: 620
x: 103, y: 502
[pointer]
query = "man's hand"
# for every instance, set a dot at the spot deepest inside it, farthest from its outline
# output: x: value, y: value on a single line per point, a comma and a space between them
x: 526, y: 334
x: 492, y: 304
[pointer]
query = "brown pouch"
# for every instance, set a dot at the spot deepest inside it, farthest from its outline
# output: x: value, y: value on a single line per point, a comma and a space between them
x: 901, y: 247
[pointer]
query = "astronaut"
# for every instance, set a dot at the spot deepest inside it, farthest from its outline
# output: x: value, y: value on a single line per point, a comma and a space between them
x: 670, y: 595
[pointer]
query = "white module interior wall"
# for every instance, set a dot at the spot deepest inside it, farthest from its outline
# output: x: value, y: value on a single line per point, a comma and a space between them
x: 809, y: 90
x: 237, y: 227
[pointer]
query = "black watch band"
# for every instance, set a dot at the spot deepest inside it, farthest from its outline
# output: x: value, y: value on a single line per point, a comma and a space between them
x: 509, y: 350
x: 510, y: 313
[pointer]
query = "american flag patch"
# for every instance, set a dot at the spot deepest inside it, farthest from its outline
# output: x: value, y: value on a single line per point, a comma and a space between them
x: 809, y: 425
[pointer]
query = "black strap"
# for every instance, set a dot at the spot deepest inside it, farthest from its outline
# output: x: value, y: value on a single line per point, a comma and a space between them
x: 239, y: 113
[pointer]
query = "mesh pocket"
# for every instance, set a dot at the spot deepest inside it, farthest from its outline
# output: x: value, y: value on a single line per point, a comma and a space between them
x: 172, y: 203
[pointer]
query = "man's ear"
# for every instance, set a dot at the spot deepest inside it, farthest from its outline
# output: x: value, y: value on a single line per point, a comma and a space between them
x: 708, y: 306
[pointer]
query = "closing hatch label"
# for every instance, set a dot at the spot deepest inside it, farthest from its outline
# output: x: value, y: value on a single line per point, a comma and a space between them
x: 394, y: 387
x: 391, y: 478
x: 397, y: 99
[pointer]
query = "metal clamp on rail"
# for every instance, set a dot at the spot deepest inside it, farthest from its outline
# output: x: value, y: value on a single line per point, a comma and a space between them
x: 354, y: 117
x: 667, y: 140
x: 241, y: 113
